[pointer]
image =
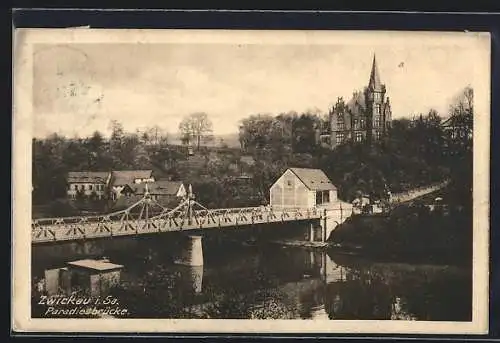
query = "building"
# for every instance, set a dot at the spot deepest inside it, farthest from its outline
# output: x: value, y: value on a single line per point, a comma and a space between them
x: 365, y: 117
x: 122, y: 181
x: 162, y: 190
x: 88, y: 184
x: 96, y: 277
x: 302, y: 188
x: 456, y: 127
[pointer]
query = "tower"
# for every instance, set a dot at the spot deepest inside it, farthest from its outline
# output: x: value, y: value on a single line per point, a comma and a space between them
x: 365, y: 117
x: 377, y: 105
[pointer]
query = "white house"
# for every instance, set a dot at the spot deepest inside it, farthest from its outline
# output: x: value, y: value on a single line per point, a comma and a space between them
x: 302, y: 188
x: 88, y: 183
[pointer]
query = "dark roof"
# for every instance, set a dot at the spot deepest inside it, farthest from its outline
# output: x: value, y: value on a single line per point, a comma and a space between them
x: 314, y: 179
x: 160, y: 187
x: 374, y: 82
x: 124, y: 177
x: 87, y: 177
x: 357, y: 102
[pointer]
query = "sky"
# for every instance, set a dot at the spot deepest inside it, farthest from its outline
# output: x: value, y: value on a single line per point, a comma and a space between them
x: 80, y: 87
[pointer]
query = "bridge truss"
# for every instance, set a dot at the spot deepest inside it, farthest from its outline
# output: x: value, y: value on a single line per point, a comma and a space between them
x: 148, y: 216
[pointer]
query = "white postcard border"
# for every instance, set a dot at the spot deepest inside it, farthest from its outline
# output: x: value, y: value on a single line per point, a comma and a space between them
x: 22, y: 157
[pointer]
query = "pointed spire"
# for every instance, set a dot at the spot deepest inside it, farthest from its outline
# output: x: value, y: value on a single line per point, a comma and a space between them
x: 375, y: 83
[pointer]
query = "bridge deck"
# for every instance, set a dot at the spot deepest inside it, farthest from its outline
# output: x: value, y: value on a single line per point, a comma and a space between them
x: 141, y: 218
x: 64, y: 231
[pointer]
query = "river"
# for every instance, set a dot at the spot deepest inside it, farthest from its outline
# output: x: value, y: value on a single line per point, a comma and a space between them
x: 271, y: 281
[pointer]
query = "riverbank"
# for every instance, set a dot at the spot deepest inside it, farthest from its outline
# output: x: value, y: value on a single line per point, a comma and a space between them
x: 414, y: 232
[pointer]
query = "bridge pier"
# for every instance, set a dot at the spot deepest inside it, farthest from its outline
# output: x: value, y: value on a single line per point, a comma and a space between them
x: 192, y: 277
x: 192, y: 252
x: 324, y: 226
x: 311, y: 232
x: 317, y: 233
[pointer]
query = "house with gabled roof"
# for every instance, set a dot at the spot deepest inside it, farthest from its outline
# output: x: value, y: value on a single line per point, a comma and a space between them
x: 302, y: 188
x: 122, y: 181
x: 161, y: 190
x: 88, y: 183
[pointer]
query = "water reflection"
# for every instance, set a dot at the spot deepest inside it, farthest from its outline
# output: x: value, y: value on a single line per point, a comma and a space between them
x: 288, y: 283
x: 358, y: 289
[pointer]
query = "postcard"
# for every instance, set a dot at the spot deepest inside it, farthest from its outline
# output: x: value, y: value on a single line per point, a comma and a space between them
x: 221, y: 181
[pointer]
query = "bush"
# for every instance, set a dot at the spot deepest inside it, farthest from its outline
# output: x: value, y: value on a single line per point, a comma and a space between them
x: 62, y: 208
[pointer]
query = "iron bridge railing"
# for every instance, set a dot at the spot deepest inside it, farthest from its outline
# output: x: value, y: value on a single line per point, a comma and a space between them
x: 148, y: 216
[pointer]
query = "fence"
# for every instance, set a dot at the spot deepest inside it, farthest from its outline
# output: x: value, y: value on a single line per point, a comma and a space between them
x: 417, y: 192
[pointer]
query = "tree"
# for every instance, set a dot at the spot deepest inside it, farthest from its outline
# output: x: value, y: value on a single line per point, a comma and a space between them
x: 254, y: 131
x: 460, y: 141
x: 304, y: 132
x: 153, y: 135
x: 49, y: 168
x: 116, y: 142
x: 462, y: 118
x: 117, y: 133
x: 196, y: 127
x: 98, y: 151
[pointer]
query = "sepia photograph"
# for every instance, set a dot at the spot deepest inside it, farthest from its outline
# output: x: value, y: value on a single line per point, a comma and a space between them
x: 165, y: 180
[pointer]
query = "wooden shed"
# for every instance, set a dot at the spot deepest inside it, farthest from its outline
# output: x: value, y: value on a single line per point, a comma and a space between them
x: 302, y: 188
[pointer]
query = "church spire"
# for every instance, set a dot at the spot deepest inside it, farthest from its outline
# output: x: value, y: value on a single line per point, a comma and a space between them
x: 375, y: 83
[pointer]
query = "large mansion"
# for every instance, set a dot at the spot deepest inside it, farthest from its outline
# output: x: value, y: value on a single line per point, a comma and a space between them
x: 365, y: 117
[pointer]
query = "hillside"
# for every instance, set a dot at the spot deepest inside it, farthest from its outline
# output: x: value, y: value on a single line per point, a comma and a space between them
x: 231, y: 140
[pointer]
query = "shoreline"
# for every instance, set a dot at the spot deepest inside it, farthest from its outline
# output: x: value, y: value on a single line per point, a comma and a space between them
x: 387, y: 256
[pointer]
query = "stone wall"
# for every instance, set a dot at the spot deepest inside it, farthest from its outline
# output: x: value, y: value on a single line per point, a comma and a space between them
x: 417, y: 192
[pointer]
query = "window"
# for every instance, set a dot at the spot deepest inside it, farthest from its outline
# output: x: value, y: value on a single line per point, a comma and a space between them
x: 378, y: 134
x: 322, y: 197
x: 359, y: 136
x: 90, y: 187
x: 340, y: 138
x: 377, y: 121
x: 362, y: 124
x: 75, y: 187
x: 378, y: 109
x: 340, y: 122
x: 326, y: 196
x: 356, y: 124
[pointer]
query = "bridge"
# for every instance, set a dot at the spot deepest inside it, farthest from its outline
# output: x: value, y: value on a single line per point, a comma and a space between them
x: 147, y: 216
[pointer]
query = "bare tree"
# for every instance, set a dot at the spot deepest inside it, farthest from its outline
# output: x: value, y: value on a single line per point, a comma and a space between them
x: 196, y: 127
x: 462, y: 114
x: 153, y: 135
